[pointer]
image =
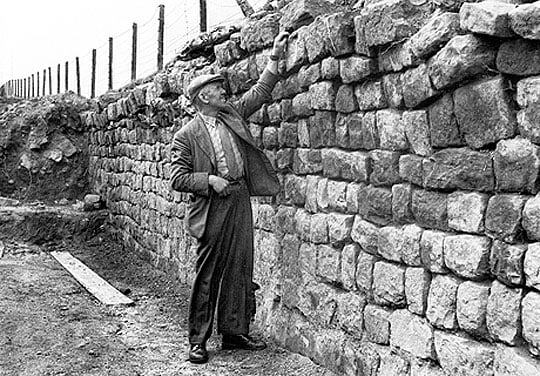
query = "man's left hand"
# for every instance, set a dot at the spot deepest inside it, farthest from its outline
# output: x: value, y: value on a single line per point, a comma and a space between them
x: 280, y: 42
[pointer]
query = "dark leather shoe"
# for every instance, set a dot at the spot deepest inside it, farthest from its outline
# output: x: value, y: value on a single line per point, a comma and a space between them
x: 241, y: 342
x: 198, y: 353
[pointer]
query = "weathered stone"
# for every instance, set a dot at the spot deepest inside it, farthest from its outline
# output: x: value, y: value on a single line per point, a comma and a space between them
x: 462, y: 57
x: 524, y: 20
x: 302, y: 220
x: 531, y: 266
x: 364, y: 272
x: 506, y: 262
x: 384, y: 167
x: 531, y: 218
x: 503, y: 313
x: 528, y: 92
x: 322, y: 130
x: 417, y: 131
x: 401, y: 203
x: 308, y: 75
x: 376, y: 205
x: 511, y: 361
x: 346, y: 100
x: 389, y: 284
x: 466, y: 211
x: 460, y: 168
x: 411, y: 170
x: 349, y: 256
x: 323, y: 201
x: 364, y: 359
x: 307, y: 161
x: 467, y: 255
x: 337, y: 196
x: 227, y: 52
x: 439, y: 30
x: 486, y: 17
x: 274, y: 113
x: 356, y: 68
x: 361, y: 47
x: 443, y: 123
x: 528, y: 123
x: 270, y: 137
x: 391, y: 243
x: 429, y: 209
x: 266, y: 217
x: 396, y: 58
x: 530, y: 306
x: 315, y: 41
x: 472, y: 302
x: 352, y: 196
x: 460, y: 356
x: 425, y: 368
x: 483, y: 112
x: 370, y: 95
x: 417, y: 87
x: 296, y: 54
x: 339, y: 227
x: 290, y: 87
x: 393, y: 89
x: 311, y: 193
x: 303, y: 12
x: 287, y: 134
x: 257, y: 34
x: 519, y: 57
x: 369, y: 132
x: 377, y: 324
x: 328, y: 261
x: 329, y: 68
x: 391, y: 20
x: 411, y: 333
x: 432, y: 251
x: 366, y: 234
x: 346, y: 165
x: 303, y: 133
x: 323, y: 95
x: 417, y: 281
x: 319, y: 228
x: 392, y: 364
x: 349, y: 314
x: 410, y: 253
x: 503, y: 216
x: 441, y: 304
x: 295, y: 189
x: 340, y: 33
x: 516, y: 164
x: 391, y: 130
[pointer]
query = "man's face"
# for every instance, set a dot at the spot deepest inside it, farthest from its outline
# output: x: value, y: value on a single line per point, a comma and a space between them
x: 214, y: 95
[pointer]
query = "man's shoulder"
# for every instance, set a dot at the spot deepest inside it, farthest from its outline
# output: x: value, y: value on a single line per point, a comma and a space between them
x: 187, y: 129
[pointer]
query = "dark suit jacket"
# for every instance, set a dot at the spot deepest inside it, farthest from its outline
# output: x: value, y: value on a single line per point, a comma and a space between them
x: 193, y: 158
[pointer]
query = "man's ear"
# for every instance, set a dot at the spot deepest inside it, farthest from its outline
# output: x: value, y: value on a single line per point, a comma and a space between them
x: 203, y: 97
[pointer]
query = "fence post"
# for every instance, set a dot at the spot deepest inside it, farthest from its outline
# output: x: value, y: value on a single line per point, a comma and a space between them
x: 78, y: 71
x: 110, y: 86
x: 19, y: 88
x: 202, y: 15
x: 50, y: 82
x: 93, y: 80
x: 58, y: 79
x: 33, y: 92
x: 134, y: 53
x: 37, y: 84
x: 67, y: 76
x: 160, y: 37
x: 44, y: 80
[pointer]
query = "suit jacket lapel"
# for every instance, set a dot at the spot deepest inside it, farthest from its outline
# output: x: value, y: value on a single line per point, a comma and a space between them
x: 236, y: 125
x: 202, y: 138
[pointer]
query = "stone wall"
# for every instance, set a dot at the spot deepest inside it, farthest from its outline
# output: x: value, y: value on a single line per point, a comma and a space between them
x: 405, y: 238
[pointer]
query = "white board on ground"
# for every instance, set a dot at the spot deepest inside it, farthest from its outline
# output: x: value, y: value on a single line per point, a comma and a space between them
x: 90, y: 280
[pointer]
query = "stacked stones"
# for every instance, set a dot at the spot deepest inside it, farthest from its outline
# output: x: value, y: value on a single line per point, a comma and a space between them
x: 404, y: 241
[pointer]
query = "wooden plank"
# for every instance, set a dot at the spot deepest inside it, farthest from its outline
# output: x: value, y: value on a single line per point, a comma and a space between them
x: 90, y: 280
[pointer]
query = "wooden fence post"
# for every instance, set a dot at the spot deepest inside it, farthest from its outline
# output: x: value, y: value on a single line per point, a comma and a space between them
x: 24, y: 87
x: 78, y: 71
x: 110, y: 86
x: 50, y: 82
x: 160, y: 37
x: 44, y: 80
x: 67, y: 77
x: 58, y: 79
x: 33, y: 92
x: 93, y: 80
x: 134, y: 53
x: 37, y: 84
x: 202, y: 15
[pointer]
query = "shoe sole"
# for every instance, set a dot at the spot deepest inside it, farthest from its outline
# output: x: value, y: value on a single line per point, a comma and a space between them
x: 236, y: 347
x: 198, y: 361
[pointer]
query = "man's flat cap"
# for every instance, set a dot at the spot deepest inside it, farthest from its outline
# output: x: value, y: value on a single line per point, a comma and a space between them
x: 199, y: 82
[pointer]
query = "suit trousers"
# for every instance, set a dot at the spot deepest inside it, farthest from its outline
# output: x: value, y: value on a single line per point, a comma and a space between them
x: 224, y: 268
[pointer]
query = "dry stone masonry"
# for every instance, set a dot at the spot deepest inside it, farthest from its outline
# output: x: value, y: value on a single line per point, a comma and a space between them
x: 406, y: 237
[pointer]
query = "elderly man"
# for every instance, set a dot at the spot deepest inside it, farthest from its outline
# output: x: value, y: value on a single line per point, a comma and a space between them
x: 214, y: 157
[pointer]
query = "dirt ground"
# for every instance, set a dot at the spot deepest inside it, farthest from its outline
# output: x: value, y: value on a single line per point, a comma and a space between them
x: 50, y: 325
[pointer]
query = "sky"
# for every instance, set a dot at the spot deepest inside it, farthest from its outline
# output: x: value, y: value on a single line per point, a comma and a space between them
x: 38, y: 34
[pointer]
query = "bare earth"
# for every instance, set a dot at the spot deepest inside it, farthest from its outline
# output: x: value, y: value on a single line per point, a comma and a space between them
x: 50, y: 325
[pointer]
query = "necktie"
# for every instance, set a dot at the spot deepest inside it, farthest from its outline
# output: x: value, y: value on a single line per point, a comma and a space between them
x: 232, y: 154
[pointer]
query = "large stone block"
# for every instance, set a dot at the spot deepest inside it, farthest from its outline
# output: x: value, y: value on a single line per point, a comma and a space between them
x: 349, y: 314
x: 528, y: 92
x: 296, y: 54
x: 401, y: 203
x: 349, y: 256
x: 299, y: 13
x: 417, y: 87
x: 441, y: 303
x: 486, y: 17
x: 392, y: 364
x: 524, y: 20
x: 410, y: 253
x: 391, y: 130
x: 531, y: 266
x: 349, y: 130
x: 516, y: 163
x: 519, y: 57
x: 346, y: 100
x: 472, y: 302
x: 443, y: 123
x: 391, y: 243
x: 531, y: 218
x: 308, y: 75
x: 384, y: 167
x: 311, y: 193
x: 329, y: 68
x: 411, y: 170
x: 506, y: 262
x: 307, y: 161
x: 354, y: 166
x: 257, y: 34
x: 439, y: 30
x: 328, y: 262
x: 393, y: 89
x: 339, y: 227
x: 315, y: 41
x: 503, y: 216
x: 377, y: 324
x: 503, y: 313
x: 429, y: 209
x: 467, y: 255
x: 460, y: 356
x: 352, y: 196
x: 417, y: 131
x: 370, y: 95
x: 307, y: 259
x: 432, y: 251
x: 411, y: 333
x: 417, y: 282
x: 396, y: 58
x: 364, y: 272
x: 484, y: 113
x: 295, y: 189
x: 336, y: 193
x: 530, y: 306
x: 511, y: 361
x: 318, y: 232
x: 462, y: 57
x: 322, y: 129
x: 227, y: 52
x: 376, y: 205
x: 340, y: 33
x: 356, y: 68
x: 323, y: 95
x: 389, y: 284
x: 361, y: 47
x: 460, y: 168
x: 366, y: 234
x: 466, y: 211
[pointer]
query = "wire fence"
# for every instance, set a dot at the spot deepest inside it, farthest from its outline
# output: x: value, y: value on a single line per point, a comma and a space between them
x: 137, y: 52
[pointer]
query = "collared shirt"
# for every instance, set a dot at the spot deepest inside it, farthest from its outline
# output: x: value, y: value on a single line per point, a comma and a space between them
x: 223, y: 160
